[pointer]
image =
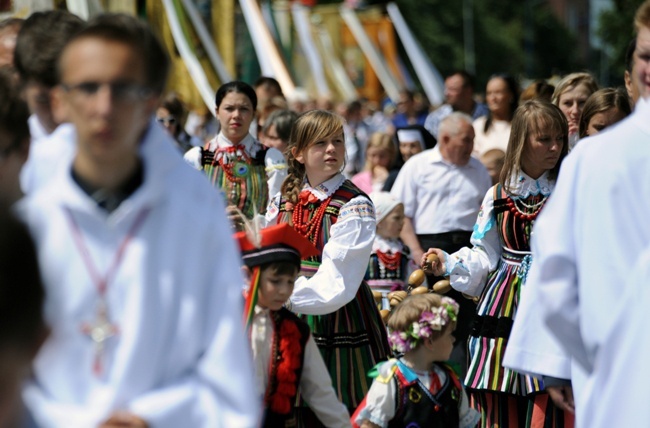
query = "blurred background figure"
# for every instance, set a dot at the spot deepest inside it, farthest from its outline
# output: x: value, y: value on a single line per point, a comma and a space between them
x: 631, y: 76
x: 202, y: 124
x: 493, y: 161
x: 264, y: 110
x: 603, y: 108
x: 411, y: 140
x: 22, y: 326
x: 171, y: 115
x: 407, y: 111
x: 459, y: 96
x: 570, y: 95
x: 380, y: 157
x: 493, y: 131
x: 14, y: 139
x: 9, y: 29
x: 276, y: 131
x: 539, y: 89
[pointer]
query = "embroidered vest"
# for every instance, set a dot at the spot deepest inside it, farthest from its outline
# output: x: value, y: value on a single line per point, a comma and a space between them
x: 286, y: 325
x: 418, y: 407
x: 247, y: 189
x: 340, y: 197
x: 379, y: 273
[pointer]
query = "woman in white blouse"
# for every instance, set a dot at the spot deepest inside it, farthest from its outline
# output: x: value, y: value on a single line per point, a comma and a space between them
x: 492, y: 131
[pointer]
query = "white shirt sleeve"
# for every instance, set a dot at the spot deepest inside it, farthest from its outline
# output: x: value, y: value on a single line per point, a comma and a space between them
x: 380, y: 404
x: 468, y: 268
x: 316, y: 388
x: 344, y: 262
x: 276, y: 170
x: 193, y: 157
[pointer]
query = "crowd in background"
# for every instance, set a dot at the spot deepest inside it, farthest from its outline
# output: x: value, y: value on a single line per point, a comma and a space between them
x: 336, y: 205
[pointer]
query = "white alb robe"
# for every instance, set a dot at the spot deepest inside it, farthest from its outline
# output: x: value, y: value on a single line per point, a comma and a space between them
x: 585, y: 243
x: 180, y: 357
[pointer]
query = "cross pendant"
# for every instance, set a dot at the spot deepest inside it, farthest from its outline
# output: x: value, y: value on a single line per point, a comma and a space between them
x: 99, y: 332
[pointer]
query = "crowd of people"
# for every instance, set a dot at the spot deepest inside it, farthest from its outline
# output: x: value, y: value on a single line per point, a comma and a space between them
x: 256, y: 268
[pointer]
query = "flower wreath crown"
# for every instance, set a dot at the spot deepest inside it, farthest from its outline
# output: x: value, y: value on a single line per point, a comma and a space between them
x: 432, y: 320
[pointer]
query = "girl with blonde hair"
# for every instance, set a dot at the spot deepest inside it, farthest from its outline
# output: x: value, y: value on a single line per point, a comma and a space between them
x: 380, y: 156
x: 495, y: 269
x: 570, y: 96
x: 339, y: 219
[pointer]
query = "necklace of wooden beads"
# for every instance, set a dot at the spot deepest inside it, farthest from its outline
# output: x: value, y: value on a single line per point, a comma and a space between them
x: 517, y: 212
x: 237, y: 168
x: 311, y: 229
x: 390, y: 261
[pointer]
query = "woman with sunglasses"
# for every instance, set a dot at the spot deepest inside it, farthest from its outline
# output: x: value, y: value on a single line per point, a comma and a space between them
x: 171, y: 114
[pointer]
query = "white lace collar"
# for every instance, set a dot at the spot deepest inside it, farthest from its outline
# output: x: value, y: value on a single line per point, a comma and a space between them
x: 326, y: 188
x: 221, y: 141
x: 385, y: 245
x: 524, y: 186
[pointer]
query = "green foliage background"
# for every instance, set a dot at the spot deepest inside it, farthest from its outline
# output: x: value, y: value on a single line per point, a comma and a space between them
x: 520, y: 37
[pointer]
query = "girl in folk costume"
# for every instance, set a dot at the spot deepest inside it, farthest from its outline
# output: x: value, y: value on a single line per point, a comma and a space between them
x: 247, y: 172
x: 339, y: 220
x: 495, y: 269
x: 416, y: 390
x: 390, y: 261
x: 285, y: 355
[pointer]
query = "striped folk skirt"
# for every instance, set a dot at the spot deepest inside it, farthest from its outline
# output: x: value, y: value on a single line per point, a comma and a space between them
x: 512, y: 411
x: 505, y: 398
x: 352, y: 341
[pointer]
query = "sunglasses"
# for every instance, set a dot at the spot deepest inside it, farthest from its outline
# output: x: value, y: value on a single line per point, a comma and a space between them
x: 166, y: 120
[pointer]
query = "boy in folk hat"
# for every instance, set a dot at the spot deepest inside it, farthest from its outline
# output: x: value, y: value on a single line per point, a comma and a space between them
x: 286, y: 357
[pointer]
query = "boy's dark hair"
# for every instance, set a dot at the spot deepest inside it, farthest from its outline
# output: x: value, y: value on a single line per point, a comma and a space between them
x: 40, y: 42
x: 270, y: 82
x: 281, y: 268
x: 21, y: 290
x: 135, y: 33
x: 13, y: 112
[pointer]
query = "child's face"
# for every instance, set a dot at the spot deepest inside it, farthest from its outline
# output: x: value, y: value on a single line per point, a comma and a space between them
x: 378, y: 157
x: 274, y: 289
x: 494, y: 167
x: 323, y: 159
x: 442, y: 346
x: 390, y: 226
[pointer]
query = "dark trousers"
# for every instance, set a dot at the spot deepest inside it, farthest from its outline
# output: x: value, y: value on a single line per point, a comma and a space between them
x: 452, y: 242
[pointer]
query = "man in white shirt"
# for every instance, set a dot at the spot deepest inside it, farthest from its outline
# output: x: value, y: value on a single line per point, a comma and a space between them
x: 459, y: 96
x: 442, y: 190
x: 143, y: 287
x: 586, y: 242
